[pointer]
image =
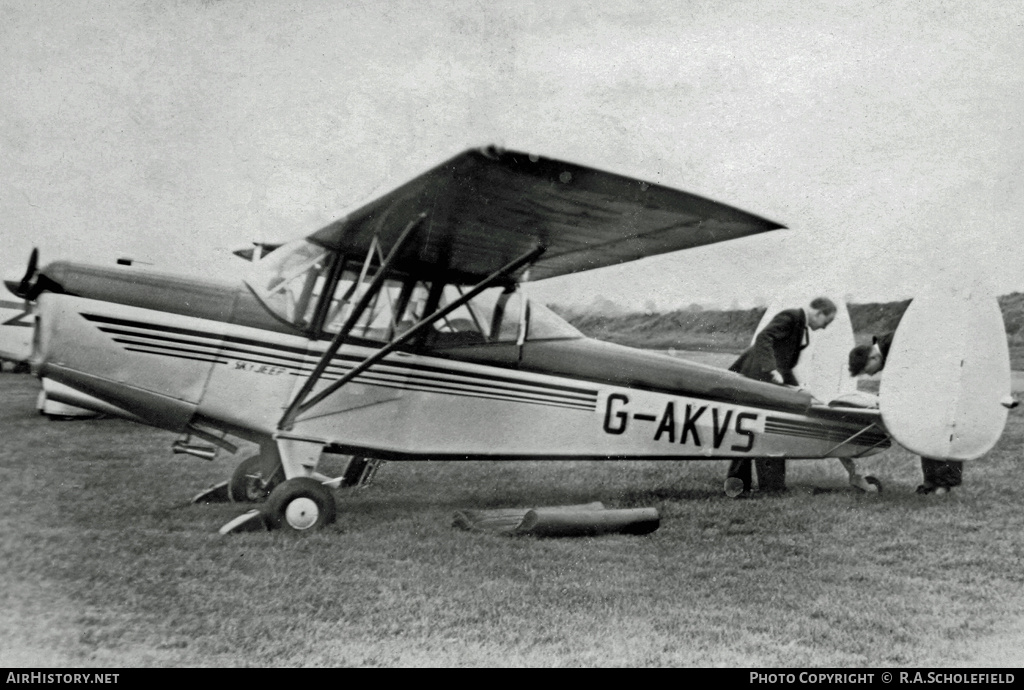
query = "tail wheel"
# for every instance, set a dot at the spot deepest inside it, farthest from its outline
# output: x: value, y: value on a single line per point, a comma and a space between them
x: 300, y: 505
x: 254, y: 479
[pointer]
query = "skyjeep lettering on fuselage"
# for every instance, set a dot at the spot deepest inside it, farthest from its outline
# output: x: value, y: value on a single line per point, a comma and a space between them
x: 260, y: 368
x: 685, y: 421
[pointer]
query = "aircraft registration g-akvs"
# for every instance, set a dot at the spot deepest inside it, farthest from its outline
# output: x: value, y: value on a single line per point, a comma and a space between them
x: 401, y: 331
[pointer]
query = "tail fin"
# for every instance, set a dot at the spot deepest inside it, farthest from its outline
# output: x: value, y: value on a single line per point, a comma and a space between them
x: 947, y: 375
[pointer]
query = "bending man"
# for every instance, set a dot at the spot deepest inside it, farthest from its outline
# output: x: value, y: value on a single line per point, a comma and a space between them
x: 772, y: 358
x: 939, y: 475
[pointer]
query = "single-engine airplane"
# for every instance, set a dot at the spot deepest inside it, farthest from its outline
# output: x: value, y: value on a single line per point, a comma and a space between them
x: 401, y: 331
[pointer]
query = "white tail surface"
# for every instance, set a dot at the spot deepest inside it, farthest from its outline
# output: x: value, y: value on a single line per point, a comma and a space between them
x: 946, y: 375
x: 822, y: 369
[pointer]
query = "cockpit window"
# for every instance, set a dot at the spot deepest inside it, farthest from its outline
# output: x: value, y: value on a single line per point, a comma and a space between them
x: 289, y: 280
x: 291, y: 283
x: 493, y: 316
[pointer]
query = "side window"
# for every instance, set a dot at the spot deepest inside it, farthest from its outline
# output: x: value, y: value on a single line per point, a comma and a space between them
x: 380, y: 318
x: 490, y: 317
x: 493, y: 316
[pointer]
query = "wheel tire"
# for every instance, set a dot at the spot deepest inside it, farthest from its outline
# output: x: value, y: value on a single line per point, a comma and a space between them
x: 873, y: 482
x: 300, y: 505
x: 254, y: 479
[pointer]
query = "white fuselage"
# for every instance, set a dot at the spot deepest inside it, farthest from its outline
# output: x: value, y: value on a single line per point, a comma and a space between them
x: 173, y: 370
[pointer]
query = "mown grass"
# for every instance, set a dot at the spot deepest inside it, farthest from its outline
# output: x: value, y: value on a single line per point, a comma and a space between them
x: 104, y: 563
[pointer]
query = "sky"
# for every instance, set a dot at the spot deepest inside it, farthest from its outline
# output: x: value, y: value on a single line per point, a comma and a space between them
x: 887, y: 136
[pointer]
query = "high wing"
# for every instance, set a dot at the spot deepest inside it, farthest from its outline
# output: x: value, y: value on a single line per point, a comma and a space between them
x: 485, y: 207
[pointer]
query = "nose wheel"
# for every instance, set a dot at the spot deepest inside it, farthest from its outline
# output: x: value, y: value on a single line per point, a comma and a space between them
x: 300, y: 505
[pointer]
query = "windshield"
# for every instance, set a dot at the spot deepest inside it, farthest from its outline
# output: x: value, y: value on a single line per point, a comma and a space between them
x: 289, y: 280
x: 547, y: 325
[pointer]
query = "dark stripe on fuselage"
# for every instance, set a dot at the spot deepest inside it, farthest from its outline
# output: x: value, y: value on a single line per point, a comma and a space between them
x: 177, y: 356
x: 217, y: 345
x: 352, y: 360
x: 189, y: 331
x: 374, y: 374
x: 381, y: 379
x: 517, y: 396
x: 814, y: 430
x: 372, y: 378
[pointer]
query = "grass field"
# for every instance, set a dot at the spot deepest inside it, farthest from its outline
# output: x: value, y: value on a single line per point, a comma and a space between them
x: 104, y: 563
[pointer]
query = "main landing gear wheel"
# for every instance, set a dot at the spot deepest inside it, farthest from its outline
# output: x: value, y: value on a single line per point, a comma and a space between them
x: 254, y: 479
x: 301, y: 504
x: 872, y: 481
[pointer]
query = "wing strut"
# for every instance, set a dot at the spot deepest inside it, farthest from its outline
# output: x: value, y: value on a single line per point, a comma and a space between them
x: 301, y: 404
x: 294, y: 408
x: 869, y: 427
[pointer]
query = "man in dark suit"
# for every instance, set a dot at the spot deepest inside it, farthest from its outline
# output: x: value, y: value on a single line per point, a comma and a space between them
x: 772, y: 358
x: 940, y: 476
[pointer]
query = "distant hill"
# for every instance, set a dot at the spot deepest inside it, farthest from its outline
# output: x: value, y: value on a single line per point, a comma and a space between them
x: 600, y: 306
x: 731, y: 331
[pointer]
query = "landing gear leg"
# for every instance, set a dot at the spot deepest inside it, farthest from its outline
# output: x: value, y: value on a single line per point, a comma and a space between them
x: 298, y: 498
x: 255, y: 478
x: 299, y: 502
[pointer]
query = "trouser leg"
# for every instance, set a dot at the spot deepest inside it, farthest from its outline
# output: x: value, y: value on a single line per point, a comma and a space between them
x: 771, y: 474
x: 941, y: 473
x: 740, y: 469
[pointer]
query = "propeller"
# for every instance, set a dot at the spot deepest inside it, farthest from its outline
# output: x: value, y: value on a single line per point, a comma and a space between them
x: 23, y: 289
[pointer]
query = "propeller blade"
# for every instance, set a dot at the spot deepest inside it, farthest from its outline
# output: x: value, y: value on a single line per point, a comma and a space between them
x: 14, y: 286
x: 25, y: 286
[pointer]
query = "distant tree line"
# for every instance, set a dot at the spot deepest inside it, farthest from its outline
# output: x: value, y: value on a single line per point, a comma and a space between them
x: 731, y: 330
